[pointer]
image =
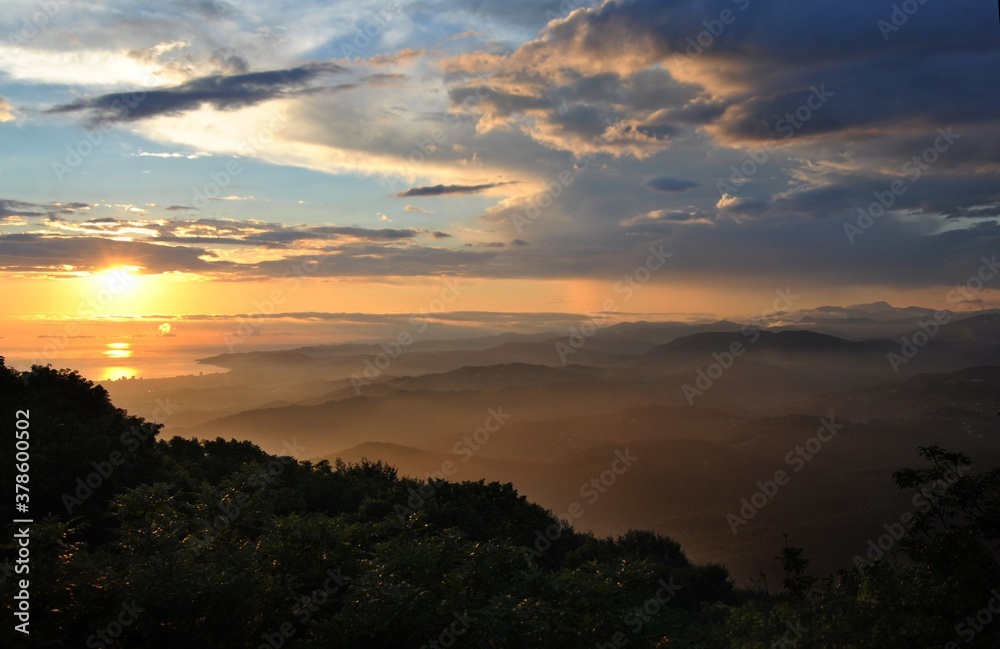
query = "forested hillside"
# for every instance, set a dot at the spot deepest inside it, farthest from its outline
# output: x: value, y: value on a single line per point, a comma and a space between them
x: 147, y: 542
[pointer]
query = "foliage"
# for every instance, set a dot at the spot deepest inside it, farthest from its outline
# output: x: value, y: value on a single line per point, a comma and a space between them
x: 215, y: 543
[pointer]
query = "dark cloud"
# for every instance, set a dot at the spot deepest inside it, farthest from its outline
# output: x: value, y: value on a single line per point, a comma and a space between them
x: 440, y: 190
x: 756, y: 72
x: 893, y: 252
x: 221, y: 91
x: 670, y: 184
x: 11, y: 208
x: 40, y: 253
x: 228, y: 62
x: 384, y: 234
x: 179, y: 208
x: 235, y: 232
x: 843, y: 195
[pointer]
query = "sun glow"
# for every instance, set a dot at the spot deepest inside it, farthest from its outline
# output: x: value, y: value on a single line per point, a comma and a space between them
x: 121, y: 289
x: 118, y: 373
x: 117, y: 279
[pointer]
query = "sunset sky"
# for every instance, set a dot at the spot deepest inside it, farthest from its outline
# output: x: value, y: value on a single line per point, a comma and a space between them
x: 191, y: 163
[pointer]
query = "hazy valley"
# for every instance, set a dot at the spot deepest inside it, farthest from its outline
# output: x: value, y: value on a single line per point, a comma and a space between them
x: 837, y: 399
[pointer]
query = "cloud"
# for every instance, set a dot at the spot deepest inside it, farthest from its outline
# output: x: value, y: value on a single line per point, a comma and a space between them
x: 37, y: 253
x: 898, y: 252
x: 10, y: 209
x: 223, y: 231
x: 739, y: 85
x: 186, y: 156
x: 605, y: 96
x: 220, y: 91
x: 441, y: 190
x: 656, y: 221
x: 5, y: 114
x: 384, y: 234
x: 670, y: 184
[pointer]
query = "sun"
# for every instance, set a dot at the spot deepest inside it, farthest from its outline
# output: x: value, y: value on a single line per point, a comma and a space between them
x: 119, y: 289
x: 117, y: 280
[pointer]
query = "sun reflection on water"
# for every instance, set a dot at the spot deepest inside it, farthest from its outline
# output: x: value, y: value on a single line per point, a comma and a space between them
x: 118, y: 350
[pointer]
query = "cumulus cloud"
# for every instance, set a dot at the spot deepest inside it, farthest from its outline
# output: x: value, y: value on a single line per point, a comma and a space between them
x: 588, y: 114
x: 758, y: 71
x: 5, y: 108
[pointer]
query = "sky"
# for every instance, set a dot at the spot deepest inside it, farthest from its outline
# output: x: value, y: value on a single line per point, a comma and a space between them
x: 186, y: 174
